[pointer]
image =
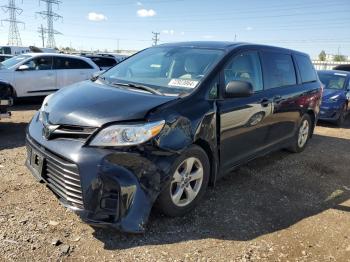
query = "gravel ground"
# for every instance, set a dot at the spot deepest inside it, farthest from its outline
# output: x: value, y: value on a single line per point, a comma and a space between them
x: 282, y: 207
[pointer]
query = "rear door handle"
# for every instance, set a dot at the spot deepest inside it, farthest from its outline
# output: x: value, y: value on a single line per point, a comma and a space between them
x: 277, y: 99
x: 264, y: 102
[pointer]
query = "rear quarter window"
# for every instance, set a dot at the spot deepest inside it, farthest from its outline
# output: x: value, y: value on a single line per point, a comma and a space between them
x: 307, y: 70
x: 278, y: 69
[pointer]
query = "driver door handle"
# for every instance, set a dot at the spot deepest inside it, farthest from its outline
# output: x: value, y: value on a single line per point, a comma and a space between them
x: 264, y: 102
x: 277, y: 99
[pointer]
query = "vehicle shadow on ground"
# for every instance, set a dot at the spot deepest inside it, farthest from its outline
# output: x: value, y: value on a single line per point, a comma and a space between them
x: 12, y: 135
x: 267, y: 195
x: 27, y: 104
x: 333, y: 125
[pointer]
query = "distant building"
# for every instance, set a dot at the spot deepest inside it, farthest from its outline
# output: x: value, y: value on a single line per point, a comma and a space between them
x: 327, y: 65
x: 330, y: 57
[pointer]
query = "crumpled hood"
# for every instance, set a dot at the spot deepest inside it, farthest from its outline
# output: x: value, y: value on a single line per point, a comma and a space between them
x: 94, y: 104
x: 328, y: 93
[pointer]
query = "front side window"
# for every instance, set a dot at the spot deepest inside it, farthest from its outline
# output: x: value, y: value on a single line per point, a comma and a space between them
x: 245, y: 67
x: 306, y: 69
x: 279, y: 70
x: 39, y: 63
x: 170, y: 70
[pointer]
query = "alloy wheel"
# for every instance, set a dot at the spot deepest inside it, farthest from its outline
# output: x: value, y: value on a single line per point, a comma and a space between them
x: 187, y: 182
x: 303, y: 133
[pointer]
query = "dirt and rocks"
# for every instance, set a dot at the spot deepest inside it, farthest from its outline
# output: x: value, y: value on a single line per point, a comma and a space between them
x: 282, y: 207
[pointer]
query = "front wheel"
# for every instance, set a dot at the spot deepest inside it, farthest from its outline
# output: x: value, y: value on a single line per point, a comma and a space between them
x: 190, y: 177
x: 302, y: 135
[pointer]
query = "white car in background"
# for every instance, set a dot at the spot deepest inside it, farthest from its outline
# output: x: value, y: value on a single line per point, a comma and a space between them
x: 39, y: 74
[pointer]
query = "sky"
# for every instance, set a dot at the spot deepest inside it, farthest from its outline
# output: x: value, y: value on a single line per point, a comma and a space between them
x: 306, y: 25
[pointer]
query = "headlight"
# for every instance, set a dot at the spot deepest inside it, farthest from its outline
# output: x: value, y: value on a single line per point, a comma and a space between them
x: 127, y: 135
x: 333, y: 98
x: 46, y: 100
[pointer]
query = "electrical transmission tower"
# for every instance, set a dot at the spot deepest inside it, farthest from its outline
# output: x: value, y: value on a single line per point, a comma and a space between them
x: 50, y: 16
x: 13, y: 10
x: 155, y: 38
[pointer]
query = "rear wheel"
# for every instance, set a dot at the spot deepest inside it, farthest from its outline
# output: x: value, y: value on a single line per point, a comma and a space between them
x: 190, y: 176
x: 302, y: 135
x: 340, y: 121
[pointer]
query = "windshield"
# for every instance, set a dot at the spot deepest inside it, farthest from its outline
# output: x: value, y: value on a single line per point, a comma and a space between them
x: 332, y: 80
x: 170, y: 70
x: 13, y: 61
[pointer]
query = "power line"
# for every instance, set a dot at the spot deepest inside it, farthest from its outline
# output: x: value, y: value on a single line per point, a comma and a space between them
x: 14, y: 37
x: 155, y: 38
x: 50, y: 16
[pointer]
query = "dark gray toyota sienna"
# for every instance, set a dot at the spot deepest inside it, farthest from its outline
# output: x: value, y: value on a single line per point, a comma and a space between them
x: 167, y: 122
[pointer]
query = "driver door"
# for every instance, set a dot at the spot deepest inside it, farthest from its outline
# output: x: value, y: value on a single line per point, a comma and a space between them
x: 37, y: 79
x: 243, y: 121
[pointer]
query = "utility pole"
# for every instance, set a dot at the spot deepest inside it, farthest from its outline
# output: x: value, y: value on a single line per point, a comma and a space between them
x: 155, y: 38
x: 14, y: 37
x: 50, y: 16
x: 235, y: 37
x: 42, y: 34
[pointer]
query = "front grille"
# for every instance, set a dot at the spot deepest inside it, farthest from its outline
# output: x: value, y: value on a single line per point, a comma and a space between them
x: 61, y: 176
x: 75, y: 132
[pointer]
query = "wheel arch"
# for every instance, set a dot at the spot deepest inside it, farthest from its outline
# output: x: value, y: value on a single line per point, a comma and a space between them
x: 212, y: 159
x: 13, y: 90
x: 312, y: 115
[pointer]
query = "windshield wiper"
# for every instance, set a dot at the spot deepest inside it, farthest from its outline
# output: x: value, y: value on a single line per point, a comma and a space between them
x: 141, y: 87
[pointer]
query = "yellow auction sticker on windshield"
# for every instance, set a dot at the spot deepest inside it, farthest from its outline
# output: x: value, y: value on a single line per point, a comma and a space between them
x: 183, y: 83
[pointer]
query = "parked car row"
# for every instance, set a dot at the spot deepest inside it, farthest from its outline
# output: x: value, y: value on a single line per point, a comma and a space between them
x: 104, y: 61
x: 336, y: 96
x: 39, y: 74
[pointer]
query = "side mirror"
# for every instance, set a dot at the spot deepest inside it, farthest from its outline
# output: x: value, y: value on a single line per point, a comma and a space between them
x: 23, y: 68
x: 238, y: 89
x: 96, y: 75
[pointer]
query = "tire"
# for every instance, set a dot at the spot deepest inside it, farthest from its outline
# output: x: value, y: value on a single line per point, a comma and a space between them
x: 340, y: 121
x: 303, y: 133
x: 174, y: 200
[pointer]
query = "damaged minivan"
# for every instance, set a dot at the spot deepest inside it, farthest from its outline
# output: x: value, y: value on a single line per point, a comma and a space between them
x: 166, y: 123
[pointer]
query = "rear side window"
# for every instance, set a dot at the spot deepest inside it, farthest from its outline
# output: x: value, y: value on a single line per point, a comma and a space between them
x: 307, y: 71
x: 70, y: 63
x: 245, y: 67
x: 279, y: 70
